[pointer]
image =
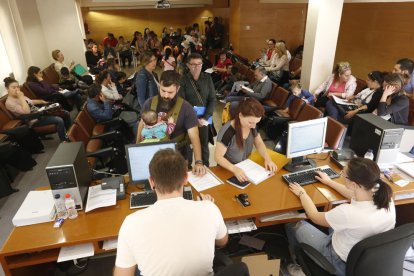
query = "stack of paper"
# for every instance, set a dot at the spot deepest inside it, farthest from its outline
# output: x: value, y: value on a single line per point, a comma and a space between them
x: 239, y: 226
x: 110, y: 244
x: 37, y: 207
x: 207, y: 181
x: 75, y: 252
x: 98, y: 198
x: 254, y: 172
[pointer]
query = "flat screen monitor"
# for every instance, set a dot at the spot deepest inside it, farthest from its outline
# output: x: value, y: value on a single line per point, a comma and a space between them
x: 305, y: 138
x: 139, y: 157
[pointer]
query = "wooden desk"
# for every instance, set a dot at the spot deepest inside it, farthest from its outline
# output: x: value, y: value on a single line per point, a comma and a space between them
x: 41, y: 243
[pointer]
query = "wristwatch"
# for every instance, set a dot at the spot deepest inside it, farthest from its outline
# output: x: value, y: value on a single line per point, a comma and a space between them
x: 198, y: 162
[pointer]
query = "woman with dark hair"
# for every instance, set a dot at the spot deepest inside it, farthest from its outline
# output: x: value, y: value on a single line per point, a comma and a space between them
x: 146, y: 80
x: 18, y: 104
x: 146, y: 34
x: 237, y: 137
x: 108, y: 87
x: 394, y: 104
x: 168, y: 61
x: 340, y: 84
x: 366, y: 101
x: 371, y: 211
x: 48, y: 92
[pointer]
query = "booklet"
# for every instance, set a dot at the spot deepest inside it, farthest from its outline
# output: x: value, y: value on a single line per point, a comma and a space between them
x: 254, y: 172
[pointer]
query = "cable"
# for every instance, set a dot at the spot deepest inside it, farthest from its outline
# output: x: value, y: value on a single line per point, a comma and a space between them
x: 115, y: 174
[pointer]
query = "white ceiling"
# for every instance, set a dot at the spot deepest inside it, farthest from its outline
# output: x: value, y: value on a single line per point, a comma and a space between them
x: 141, y: 4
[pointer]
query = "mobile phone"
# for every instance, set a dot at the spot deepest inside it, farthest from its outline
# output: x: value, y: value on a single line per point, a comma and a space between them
x: 235, y: 182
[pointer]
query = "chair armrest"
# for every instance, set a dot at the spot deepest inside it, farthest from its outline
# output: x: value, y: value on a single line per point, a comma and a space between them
x: 111, y: 135
x: 318, y: 258
x: 102, y: 152
x: 29, y: 117
x: 16, y: 131
x: 114, y: 123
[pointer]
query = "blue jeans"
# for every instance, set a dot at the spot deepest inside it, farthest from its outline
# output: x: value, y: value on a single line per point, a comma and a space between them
x: 331, y: 109
x: 304, y: 232
x: 60, y: 125
x: 75, y: 96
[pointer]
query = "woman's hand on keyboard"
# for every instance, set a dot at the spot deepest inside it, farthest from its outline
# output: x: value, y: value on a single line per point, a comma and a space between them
x: 323, y: 177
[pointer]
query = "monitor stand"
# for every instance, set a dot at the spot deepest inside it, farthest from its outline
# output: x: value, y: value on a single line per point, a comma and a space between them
x: 300, y: 163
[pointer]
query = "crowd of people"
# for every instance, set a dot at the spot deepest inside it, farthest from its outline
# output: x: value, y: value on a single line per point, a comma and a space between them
x: 178, y: 106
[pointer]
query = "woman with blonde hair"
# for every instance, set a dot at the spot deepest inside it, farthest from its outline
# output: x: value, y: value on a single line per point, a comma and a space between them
x: 340, y: 84
x: 279, y: 65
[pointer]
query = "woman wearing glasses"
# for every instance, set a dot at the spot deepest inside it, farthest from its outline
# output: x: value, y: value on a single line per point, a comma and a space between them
x: 370, y: 211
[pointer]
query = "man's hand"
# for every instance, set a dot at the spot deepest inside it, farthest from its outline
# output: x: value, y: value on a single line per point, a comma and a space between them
x: 202, y: 122
x: 199, y: 169
x: 205, y: 197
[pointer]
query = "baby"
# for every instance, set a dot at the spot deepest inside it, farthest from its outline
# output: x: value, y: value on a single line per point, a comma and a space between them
x: 155, y: 129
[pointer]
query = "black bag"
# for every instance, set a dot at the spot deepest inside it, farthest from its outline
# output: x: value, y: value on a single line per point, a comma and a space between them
x: 275, y: 125
x: 14, y: 155
x: 321, y: 100
x: 212, y: 132
x: 26, y: 138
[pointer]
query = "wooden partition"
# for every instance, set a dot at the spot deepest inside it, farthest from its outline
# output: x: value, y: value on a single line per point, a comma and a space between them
x: 373, y: 36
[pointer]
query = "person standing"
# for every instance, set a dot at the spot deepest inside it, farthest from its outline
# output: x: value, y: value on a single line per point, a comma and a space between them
x: 197, y: 88
x: 146, y: 80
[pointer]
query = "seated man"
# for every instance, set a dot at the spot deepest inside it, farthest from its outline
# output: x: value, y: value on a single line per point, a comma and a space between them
x: 98, y: 106
x: 260, y: 89
x: 406, y: 66
x: 174, y: 236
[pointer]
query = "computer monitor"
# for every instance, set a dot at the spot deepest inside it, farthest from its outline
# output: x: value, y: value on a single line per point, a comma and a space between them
x: 138, y: 158
x: 304, y: 138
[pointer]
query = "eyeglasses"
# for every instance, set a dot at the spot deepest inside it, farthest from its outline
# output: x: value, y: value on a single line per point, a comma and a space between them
x: 195, y: 64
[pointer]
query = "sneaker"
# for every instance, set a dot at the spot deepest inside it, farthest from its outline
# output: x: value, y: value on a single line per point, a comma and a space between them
x: 223, y: 101
x: 295, y: 270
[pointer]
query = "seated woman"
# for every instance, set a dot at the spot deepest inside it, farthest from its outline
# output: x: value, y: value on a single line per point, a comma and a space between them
x: 394, y: 104
x: 279, y: 65
x: 48, y: 92
x: 341, y: 84
x: 370, y: 212
x: 93, y: 58
x: 220, y: 68
x: 367, y: 100
x: 18, y: 104
x: 237, y: 137
x: 59, y: 58
x: 108, y: 87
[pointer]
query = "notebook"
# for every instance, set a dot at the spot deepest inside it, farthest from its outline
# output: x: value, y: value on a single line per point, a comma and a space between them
x: 408, y: 168
x: 79, y: 69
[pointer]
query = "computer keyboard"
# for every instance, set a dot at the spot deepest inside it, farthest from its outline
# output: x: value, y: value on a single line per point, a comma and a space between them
x: 306, y: 177
x: 148, y: 198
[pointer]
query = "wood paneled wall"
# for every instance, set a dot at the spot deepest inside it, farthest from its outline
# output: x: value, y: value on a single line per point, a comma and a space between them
x: 255, y: 22
x: 126, y: 22
x: 373, y: 36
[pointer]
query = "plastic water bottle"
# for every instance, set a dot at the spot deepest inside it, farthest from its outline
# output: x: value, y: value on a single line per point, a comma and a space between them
x: 369, y: 154
x: 71, y: 207
x: 60, y: 207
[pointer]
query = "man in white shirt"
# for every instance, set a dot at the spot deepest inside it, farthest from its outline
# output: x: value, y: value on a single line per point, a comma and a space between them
x: 174, y: 236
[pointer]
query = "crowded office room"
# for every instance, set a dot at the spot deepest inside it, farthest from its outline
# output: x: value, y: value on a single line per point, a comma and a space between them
x: 206, y: 137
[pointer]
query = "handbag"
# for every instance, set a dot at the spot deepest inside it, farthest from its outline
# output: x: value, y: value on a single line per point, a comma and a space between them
x: 321, y: 100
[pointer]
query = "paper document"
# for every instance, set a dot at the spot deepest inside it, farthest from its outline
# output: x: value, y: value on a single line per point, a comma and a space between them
x: 248, y: 89
x: 110, y: 244
x: 254, y: 172
x: 209, y: 70
x: 207, y: 181
x: 240, y: 226
x: 342, y: 101
x: 408, y: 168
x: 404, y: 157
x: 68, y: 253
x: 63, y: 91
x: 98, y: 198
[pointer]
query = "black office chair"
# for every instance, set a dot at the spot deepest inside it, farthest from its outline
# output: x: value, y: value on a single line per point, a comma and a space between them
x: 379, y: 255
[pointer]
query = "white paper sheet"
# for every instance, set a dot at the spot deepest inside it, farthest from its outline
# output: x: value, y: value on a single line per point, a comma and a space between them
x: 240, y: 226
x: 248, y: 89
x: 110, y: 244
x: 63, y: 91
x: 98, y: 198
x: 209, y: 70
x: 254, y: 172
x: 341, y: 101
x: 68, y: 253
x: 201, y: 183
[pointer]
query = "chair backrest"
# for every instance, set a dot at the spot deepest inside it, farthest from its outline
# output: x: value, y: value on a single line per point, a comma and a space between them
x: 77, y: 134
x: 250, y: 75
x: 382, y: 254
x: 27, y: 91
x: 361, y: 85
x: 295, y: 63
x: 411, y: 113
x: 243, y: 69
x: 335, y: 134
x: 85, y: 122
x: 4, y: 109
x: 295, y: 107
x: 237, y: 64
x: 309, y: 112
x: 50, y: 75
x: 279, y: 96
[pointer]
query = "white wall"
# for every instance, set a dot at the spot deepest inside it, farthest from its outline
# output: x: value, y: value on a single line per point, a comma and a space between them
x: 62, y: 29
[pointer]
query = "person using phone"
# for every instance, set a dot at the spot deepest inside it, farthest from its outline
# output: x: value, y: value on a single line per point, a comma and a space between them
x: 237, y: 137
x: 394, y: 104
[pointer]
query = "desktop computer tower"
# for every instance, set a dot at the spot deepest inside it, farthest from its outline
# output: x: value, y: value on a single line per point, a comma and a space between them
x: 373, y: 132
x: 68, y: 172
